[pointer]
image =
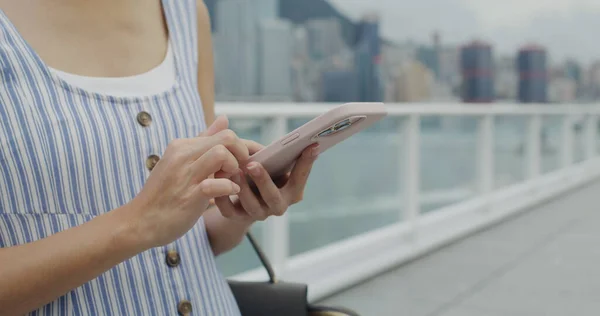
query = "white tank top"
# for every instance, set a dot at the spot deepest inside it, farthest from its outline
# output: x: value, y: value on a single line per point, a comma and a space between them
x: 155, y: 81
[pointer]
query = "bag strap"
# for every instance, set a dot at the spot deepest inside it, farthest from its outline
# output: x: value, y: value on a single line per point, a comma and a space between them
x: 263, y: 258
x: 275, y: 298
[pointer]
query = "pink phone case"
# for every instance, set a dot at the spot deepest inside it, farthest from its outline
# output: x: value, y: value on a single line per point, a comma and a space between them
x: 327, y: 129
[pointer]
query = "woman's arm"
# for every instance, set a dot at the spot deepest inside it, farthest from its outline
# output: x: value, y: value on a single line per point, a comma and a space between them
x: 224, y: 234
x: 206, y: 69
x: 37, y: 273
x: 227, y: 224
x: 171, y: 202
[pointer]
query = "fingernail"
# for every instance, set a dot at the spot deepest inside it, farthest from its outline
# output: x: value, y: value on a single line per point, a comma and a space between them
x: 253, y: 169
x: 236, y: 188
x: 315, y: 151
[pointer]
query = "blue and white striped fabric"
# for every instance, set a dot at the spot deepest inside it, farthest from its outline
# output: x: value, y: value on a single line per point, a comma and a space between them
x: 67, y: 155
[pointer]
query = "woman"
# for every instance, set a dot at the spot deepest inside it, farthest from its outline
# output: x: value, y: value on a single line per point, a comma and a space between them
x: 106, y: 168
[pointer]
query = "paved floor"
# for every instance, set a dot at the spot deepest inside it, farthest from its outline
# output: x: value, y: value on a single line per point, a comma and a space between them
x: 543, y: 262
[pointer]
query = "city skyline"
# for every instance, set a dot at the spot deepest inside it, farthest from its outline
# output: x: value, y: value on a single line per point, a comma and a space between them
x: 563, y: 26
x: 310, y: 51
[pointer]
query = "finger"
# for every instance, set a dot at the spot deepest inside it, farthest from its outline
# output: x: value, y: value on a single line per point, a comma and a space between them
x: 229, y: 208
x: 267, y: 188
x: 221, y: 123
x: 214, y: 188
x: 295, y: 186
x: 199, y: 145
x: 235, y: 145
x: 226, y: 206
x: 214, y: 160
x: 248, y: 199
x: 253, y: 147
x: 223, y: 174
x: 281, y: 181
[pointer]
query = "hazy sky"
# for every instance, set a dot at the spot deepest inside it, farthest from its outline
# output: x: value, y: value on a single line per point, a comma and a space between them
x: 569, y: 28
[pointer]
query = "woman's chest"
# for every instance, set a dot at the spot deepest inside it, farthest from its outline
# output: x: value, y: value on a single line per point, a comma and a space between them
x: 70, y: 153
x: 92, y: 38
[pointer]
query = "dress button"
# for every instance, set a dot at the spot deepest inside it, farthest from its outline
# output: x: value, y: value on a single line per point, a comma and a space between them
x: 151, y: 161
x: 184, y: 308
x: 173, y: 258
x: 144, y: 118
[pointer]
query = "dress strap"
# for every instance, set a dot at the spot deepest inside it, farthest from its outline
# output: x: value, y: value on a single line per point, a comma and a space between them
x: 181, y: 16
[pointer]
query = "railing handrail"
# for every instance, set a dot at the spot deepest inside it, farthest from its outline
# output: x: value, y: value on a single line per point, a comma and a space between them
x: 336, y: 265
x: 254, y: 110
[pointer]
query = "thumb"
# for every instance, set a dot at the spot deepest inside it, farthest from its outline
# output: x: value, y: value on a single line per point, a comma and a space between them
x: 220, y: 124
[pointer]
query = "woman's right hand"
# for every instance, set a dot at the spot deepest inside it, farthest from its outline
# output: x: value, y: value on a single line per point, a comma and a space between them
x: 174, y: 197
x: 180, y: 186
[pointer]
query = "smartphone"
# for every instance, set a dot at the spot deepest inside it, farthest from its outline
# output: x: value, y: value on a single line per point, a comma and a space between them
x: 328, y: 129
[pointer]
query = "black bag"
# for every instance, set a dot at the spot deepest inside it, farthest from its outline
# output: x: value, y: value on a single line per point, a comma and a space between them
x: 276, y: 298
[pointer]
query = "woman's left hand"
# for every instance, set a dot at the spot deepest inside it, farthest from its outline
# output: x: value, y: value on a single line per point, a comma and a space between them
x: 274, y: 196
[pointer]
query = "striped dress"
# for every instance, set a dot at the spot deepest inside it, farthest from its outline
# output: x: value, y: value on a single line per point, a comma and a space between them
x: 68, y: 155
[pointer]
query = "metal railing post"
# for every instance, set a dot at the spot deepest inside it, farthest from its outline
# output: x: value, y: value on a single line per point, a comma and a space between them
x: 591, y: 125
x: 533, y: 146
x: 276, y: 229
x: 485, y: 154
x: 412, y: 184
x: 567, y: 141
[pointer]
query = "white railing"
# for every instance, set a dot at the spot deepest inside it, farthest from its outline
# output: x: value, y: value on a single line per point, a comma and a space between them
x: 342, y: 264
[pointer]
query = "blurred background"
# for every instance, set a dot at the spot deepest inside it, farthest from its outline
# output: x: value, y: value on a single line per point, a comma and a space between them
x: 432, y: 53
x: 406, y: 51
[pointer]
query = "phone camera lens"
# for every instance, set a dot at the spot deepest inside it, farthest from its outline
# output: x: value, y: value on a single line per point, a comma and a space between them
x: 326, y: 132
x: 336, y: 128
x: 342, y: 125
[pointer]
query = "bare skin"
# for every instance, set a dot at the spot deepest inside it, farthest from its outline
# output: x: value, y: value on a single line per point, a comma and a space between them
x: 102, y: 39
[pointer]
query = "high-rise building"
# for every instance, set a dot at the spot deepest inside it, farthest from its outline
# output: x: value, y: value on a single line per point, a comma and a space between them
x: 300, y: 42
x: 437, y: 52
x: 275, y: 59
x: 324, y: 38
x: 339, y: 86
x: 266, y: 9
x: 533, y: 74
x: 301, y: 12
x: 237, y: 48
x: 573, y: 71
x: 593, y: 81
x: 368, y: 32
x: 429, y: 57
x: 414, y: 82
x: 302, y: 86
x: 449, y: 66
x: 477, y: 72
x: 397, y: 54
x: 394, y: 56
x: 211, y: 6
x: 368, y: 59
x: 562, y: 90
